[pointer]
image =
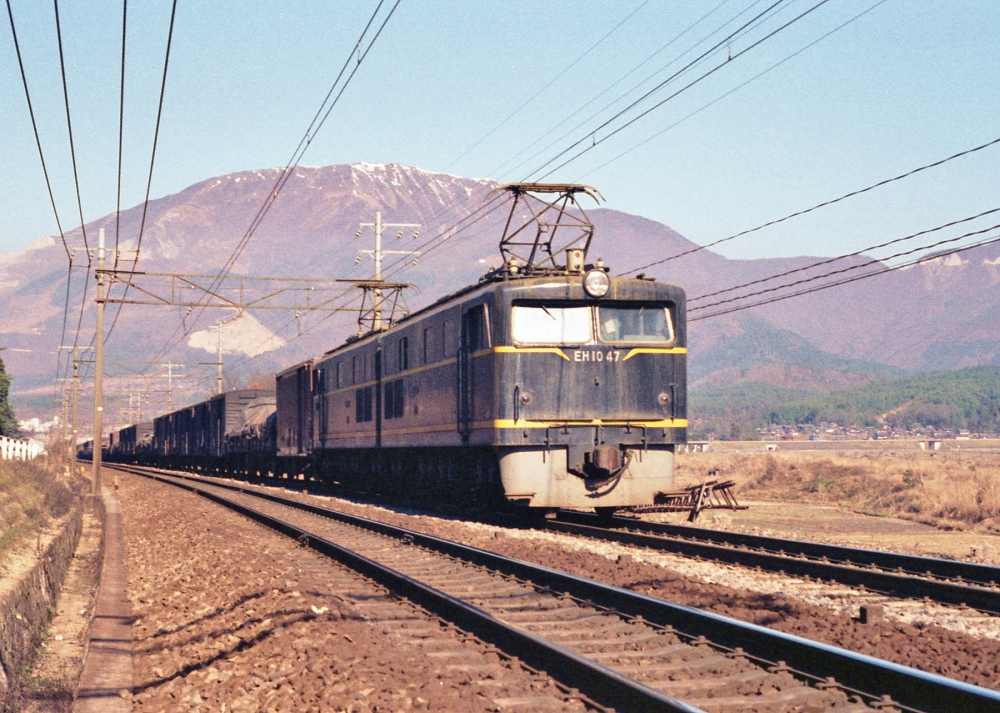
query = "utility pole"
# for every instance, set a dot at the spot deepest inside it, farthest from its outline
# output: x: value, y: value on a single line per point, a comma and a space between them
x: 378, y: 226
x: 99, y: 367
x: 170, y: 385
x: 76, y: 394
x: 219, y: 384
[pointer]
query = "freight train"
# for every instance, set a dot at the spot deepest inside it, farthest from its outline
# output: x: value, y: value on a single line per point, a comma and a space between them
x: 561, y: 388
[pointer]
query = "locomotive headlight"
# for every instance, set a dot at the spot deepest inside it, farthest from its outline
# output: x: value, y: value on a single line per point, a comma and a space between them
x: 663, y: 399
x: 596, y: 283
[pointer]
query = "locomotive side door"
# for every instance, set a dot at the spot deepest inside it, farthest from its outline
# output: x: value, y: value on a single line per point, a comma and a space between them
x: 473, y: 337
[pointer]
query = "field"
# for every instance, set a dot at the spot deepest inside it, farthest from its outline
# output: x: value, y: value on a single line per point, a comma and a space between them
x: 946, y: 490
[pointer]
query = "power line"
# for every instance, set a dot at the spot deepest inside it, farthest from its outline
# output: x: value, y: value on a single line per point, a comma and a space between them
x: 845, y: 256
x: 45, y: 173
x: 549, y: 84
x: 715, y: 48
x: 824, y: 204
x: 69, y: 127
x: 921, y: 248
x: 730, y: 92
x: 818, y: 288
x: 34, y: 128
x: 121, y: 133
x: 304, y: 143
x: 152, y: 156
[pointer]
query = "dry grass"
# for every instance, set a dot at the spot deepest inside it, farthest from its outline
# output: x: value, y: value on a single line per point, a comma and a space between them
x: 948, y: 490
x: 31, y: 493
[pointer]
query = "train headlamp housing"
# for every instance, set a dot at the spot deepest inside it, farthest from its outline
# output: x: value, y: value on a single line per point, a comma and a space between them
x: 596, y: 283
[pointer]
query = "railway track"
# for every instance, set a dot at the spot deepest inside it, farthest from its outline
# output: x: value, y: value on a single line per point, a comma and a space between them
x: 618, y: 648
x: 964, y: 584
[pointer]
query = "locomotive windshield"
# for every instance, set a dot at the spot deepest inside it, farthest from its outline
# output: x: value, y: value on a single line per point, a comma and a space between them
x: 551, y: 325
x: 575, y: 325
x: 643, y: 323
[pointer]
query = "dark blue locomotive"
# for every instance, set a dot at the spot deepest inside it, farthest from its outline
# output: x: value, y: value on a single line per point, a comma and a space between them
x: 546, y: 386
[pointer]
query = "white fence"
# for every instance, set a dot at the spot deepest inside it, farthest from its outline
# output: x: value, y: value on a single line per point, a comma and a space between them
x: 14, y: 449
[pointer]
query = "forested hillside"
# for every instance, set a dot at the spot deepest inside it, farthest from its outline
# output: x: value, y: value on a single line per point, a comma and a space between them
x: 967, y: 398
x: 962, y: 399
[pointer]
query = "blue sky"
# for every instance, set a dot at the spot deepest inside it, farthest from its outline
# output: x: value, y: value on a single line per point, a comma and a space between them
x: 906, y: 83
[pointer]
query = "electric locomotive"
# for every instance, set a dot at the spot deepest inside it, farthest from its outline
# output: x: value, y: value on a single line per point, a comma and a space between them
x: 547, y: 385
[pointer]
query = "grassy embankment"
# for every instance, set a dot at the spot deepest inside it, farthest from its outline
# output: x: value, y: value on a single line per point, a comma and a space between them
x: 947, y: 490
x: 31, y: 494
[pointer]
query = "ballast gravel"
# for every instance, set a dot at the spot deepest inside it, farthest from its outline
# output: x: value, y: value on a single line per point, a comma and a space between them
x: 231, y: 616
x: 959, y: 644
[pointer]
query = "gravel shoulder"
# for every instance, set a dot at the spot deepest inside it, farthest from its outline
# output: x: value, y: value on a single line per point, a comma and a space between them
x: 231, y: 616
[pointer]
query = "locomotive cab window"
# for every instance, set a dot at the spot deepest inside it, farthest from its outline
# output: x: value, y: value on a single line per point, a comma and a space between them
x: 549, y: 324
x: 650, y: 323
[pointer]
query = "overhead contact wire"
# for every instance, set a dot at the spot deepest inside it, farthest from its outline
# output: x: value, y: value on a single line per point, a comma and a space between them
x: 845, y: 256
x: 730, y: 92
x: 552, y: 81
x: 818, y: 206
x: 596, y: 142
x: 152, y: 156
x: 845, y: 281
x: 287, y: 171
x: 618, y: 81
x: 635, y: 103
x: 861, y: 266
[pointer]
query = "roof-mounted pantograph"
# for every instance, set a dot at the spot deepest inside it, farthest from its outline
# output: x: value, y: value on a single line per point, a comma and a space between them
x: 550, y: 222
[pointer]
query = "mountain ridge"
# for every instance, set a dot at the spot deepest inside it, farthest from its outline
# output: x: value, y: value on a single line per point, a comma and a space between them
x: 939, y: 312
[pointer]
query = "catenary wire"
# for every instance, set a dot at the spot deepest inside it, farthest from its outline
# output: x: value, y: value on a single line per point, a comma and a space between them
x: 728, y: 93
x: 845, y: 256
x: 818, y: 288
x: 851, y: 268
x: 596, y: 142
x: 286, y: 173
x: 824, y: 204
x: 152, y: 157
x: 552, y: 81
x: 620, y: 97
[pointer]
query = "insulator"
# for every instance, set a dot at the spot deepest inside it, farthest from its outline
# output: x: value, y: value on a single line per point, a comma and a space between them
x: 358, y: 234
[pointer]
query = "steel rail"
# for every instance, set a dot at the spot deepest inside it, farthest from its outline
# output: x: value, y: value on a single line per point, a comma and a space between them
x: 948, y: 581
x: 598, y: 683
x: 880, y: 681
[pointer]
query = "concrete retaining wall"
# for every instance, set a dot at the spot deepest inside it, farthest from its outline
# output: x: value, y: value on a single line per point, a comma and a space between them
x: 26, y: 609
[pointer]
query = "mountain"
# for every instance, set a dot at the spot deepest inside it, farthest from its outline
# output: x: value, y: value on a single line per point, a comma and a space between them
x: 940, y: 314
